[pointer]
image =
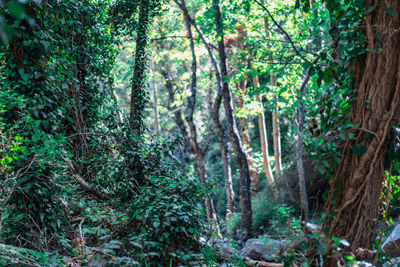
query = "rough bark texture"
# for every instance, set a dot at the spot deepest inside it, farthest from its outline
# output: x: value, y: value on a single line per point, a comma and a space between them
x: 76, y: 112
x: 358, y: 180
x: 240, y: 154
x: 138, y: 93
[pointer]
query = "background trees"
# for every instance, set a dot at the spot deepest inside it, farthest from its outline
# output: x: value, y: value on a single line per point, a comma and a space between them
x: 98, y: 161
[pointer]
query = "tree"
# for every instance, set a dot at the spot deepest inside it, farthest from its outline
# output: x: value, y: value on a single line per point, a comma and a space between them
x: 225, y: 154
x: 240, y: 154
x: 138, y: 93
x: 376, y: 109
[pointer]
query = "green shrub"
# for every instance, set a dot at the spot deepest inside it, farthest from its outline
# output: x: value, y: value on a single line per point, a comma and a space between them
x: 167, y: 218
x: 269, y: 215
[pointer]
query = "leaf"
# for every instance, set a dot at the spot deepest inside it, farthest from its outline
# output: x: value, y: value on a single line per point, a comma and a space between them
x: 6, y: 33
x: 389, y: 11
x: 336, y: 240
x: 330, y: 4
x: 328, y: 76
x: 358, y: 150
x: 297, y: 5
x: 370, y: 9
x: 16, y: 10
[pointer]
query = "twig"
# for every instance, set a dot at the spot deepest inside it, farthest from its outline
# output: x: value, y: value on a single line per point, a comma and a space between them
x: 282, y: 30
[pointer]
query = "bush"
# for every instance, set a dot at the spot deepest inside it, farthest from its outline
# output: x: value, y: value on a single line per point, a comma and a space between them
x: 167, y: 218
x: 269, y: 215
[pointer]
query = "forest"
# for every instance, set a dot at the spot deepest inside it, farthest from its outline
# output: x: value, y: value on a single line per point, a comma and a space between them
x: 200, y: 133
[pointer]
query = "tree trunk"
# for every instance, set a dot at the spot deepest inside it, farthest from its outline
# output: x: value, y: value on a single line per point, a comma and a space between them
x: 155, y: 99
x: 276, y: 133
x: 191, y: 106
x: 299, y: 149
x: 264, y: 148
x: 358, y: 179
x: 138, y: 92
x: 240, y: 154
x: 186, y: 151
x: 244, y: 131
x: 226, y: 158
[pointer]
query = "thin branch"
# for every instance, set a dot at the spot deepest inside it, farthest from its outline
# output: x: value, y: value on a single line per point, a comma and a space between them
x: 282, y: 30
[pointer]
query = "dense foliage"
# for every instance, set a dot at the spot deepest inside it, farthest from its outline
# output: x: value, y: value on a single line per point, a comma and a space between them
x: 149, y: 132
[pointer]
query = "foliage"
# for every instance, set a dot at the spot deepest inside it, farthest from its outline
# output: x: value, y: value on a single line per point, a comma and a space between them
x: 167, y: 218
x: 40, y: 70
x: 272, y: 217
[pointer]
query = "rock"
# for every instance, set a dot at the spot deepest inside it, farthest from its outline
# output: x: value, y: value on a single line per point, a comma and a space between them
x: 363, y: 264
x: 392, y: 262
x: 224, y: 250
x: 391, y: 247
x: 262, y: 249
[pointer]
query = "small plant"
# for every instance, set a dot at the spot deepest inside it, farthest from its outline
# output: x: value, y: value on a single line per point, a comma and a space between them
x: 167, y: 218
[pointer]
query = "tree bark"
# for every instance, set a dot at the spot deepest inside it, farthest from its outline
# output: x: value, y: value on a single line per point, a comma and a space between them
x: 244, y: 131
x: 138, y: 92
x: 299, y: 149
x: 191, y: 106
x: 226, y: 158
x: 240, y: 154
x: 276, y: 133
x: 376, y: 109
x: 264, y: 148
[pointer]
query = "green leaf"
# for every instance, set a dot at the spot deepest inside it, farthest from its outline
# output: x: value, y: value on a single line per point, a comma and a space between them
x: 328, y: 76
x: 6, y: 33
x: 17, y: 10
x: 330, y: 4
x: 389, y: 11
x: 297, y: 4
x: 358, y: 150
x: 370, y: 9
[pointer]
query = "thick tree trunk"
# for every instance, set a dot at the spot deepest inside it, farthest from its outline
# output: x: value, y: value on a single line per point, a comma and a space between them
x: 138, y: 93
x: 358, y: 179
x: 78, y: 128
x: 240, y: 154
